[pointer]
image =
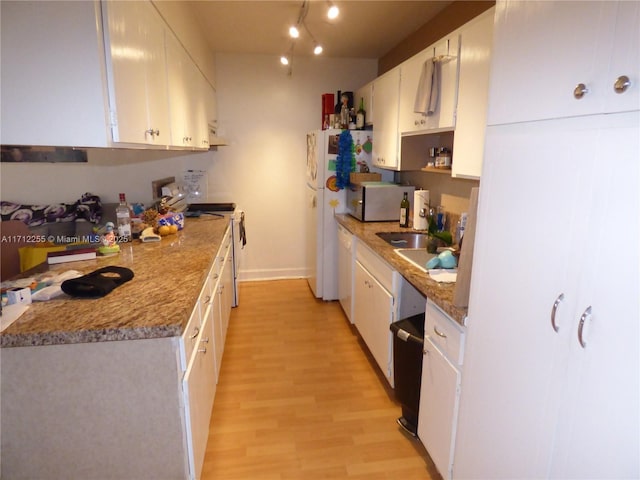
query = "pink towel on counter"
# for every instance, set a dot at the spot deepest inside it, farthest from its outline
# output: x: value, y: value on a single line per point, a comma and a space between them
x: 428, y: 92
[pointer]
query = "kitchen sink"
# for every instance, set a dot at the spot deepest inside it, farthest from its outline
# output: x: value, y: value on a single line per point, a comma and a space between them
x: 417, y: 256
x: 405, y: 240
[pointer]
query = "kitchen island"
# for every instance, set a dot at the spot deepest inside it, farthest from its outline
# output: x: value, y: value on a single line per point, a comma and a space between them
x: 116, y: 387
x: 439, y: 293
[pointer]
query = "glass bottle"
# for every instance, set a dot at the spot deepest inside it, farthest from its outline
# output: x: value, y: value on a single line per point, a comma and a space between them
x: 123, y: 218
x: 404, y: 211
x: 361, y: 115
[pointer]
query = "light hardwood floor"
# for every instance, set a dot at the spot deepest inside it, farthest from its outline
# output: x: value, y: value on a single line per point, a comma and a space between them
x: 299, y: 398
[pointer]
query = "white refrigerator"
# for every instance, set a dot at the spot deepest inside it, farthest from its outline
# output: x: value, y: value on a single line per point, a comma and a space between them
x: 323, y: 200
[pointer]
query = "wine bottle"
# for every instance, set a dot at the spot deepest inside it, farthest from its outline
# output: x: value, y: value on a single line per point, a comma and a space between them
x: 123, y: 217
x: 338, y: 107
x: 404, y: 211
x: 361, y: 115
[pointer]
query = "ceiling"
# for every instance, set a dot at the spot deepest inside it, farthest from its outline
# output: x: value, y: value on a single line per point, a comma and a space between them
x: 364, y: 29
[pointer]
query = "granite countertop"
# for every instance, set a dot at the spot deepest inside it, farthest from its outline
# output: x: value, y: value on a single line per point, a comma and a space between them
x: 440, y: 293
x: 157, y: 302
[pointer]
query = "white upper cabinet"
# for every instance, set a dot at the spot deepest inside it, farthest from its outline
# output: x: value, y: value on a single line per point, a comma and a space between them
x: 473, y: 92
x: 52, y: 74
x: 186, y: 98
x: 386, y: 90
x: 594, y: 45
x: 95, y: 74
x: 446, y: 53
x: 136, y: 72
x: 366, y: 93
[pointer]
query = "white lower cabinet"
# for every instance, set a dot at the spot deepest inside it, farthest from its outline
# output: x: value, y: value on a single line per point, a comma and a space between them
x: 440, y: 387
x: 204, y: 347
x: 381, y: 296
x: 374, y: 314
x: 346, y: 265
x: 551, y: 382
x: 199, y: 388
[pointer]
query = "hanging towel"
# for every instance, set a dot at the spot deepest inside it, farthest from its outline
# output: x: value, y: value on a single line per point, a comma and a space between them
x: 428, y: 92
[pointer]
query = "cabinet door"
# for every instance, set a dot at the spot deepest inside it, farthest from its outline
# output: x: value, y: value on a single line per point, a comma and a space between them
x: 473, y: 91
x: 530, y: 225
x: 543, y: 50
x: 581, y: 404
x: 439, y: 394
x: 624, y: 59
x: 345, y: 271
x: 597, y: 434
x: 386, y: 90
x: 199, y: 388
x: 53, y: 88
x: 180, y: 79
x: 374, y: 313
x: 410, y: 72
x: 137, y: 74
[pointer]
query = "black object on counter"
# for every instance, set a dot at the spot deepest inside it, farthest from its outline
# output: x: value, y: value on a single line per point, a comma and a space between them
x: 408, y: 341
x: 97, y: 283
x: 211, y: 207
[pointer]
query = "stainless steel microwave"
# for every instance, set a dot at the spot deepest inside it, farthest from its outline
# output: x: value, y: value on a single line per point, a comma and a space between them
x: 376, y: 201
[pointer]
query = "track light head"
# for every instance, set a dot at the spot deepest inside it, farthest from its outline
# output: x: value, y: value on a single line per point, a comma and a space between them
x: 294, y: 32
x: 317, y: 50
x: 333, y: 11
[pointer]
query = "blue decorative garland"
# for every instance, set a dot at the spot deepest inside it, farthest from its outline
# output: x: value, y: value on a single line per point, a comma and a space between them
x: 346, y: 159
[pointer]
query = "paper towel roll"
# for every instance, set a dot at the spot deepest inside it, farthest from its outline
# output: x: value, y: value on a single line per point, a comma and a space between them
x: 420, y: 209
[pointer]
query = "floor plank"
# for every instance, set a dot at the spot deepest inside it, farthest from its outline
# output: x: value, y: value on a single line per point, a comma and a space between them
x: 299, y: 397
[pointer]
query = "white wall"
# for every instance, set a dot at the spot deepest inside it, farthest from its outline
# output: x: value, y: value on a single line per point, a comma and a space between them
x: 265, y: 115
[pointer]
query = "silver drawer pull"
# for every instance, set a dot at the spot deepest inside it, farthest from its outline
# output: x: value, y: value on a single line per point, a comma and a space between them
x: 440, y: 334
x: 554, y: 310
x: 205, y: 340
x: 195, y: 334
x: 202, y: 350
x: 585, y: 315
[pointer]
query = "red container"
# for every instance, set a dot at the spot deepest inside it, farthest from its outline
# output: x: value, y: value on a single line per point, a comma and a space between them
x: 328, y: 102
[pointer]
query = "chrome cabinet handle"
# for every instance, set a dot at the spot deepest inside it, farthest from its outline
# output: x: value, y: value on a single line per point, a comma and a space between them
x: 153, y: 132
x: 621, y: 84
x: 205, y: 340
x: 195, y: 334
x: 580, y: 91
x: 554, y: 310
x: 202, y: 350
x: 440, y: 334
x: 585, y: 315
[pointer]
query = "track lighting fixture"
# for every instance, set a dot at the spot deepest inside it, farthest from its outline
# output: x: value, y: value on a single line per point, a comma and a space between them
x: 294, y: 31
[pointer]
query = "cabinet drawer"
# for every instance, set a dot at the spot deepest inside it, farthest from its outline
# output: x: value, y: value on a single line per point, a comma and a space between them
x: 445, y: 333
x: 189, y: 337
x: 206, y: 296
x: 382, y: 272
